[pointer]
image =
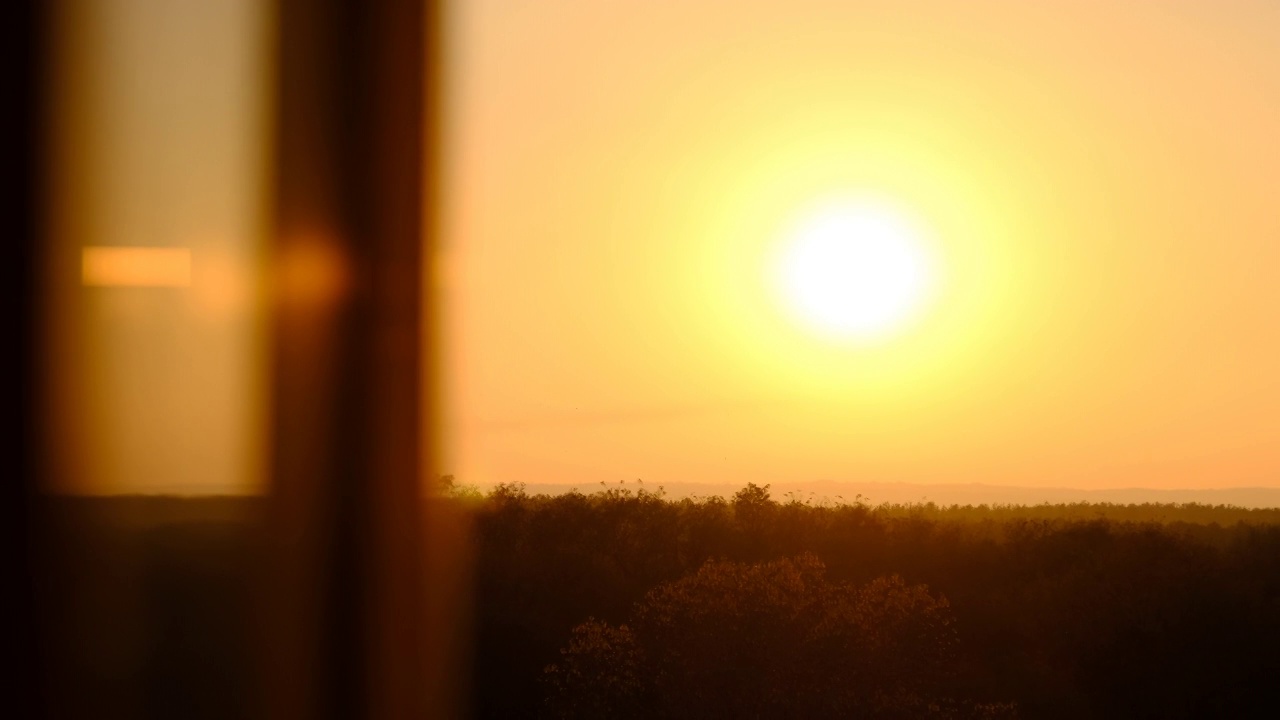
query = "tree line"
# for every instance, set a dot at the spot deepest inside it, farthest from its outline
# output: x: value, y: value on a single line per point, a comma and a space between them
x: 622, y: 603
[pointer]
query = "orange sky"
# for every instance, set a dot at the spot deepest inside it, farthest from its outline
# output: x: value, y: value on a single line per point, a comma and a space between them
x: 1099, y: 180
x: 1102, y: 179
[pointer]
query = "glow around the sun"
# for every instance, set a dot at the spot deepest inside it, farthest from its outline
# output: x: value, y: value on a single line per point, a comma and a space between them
x: 854, y: 270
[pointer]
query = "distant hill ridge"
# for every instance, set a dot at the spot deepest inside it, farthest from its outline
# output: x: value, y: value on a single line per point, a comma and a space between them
x: 876, y: 493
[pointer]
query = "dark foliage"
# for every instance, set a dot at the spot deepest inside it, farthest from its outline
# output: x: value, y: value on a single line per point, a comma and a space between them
x: 1108, y: 611
x: 774, y: 639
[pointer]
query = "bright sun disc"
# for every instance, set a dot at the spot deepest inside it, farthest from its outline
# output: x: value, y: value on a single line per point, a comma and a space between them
x: 854, y: 270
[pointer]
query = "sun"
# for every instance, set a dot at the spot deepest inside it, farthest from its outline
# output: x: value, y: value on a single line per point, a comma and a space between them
x: 855, y: 270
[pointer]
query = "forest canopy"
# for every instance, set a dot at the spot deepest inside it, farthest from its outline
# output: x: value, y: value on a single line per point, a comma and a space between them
x: 623, y: 603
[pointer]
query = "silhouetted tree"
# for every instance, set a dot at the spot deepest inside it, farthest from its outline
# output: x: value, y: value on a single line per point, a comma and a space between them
x: 773, y: 639
x: 1070, y: 611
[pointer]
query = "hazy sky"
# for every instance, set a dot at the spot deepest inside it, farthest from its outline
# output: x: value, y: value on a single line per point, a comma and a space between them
x: 1102, y: 182
x: 1098, y: 182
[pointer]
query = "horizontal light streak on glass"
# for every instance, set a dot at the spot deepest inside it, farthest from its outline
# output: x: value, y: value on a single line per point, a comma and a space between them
x: 136, y: 267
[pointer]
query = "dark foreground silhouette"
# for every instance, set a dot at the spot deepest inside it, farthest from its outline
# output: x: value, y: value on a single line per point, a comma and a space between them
x: 624, y: 604
x: 771, y: 639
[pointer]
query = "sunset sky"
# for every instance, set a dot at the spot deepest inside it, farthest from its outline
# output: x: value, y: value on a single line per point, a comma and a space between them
x: 1074, y: 279
x: 1096, y: 185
